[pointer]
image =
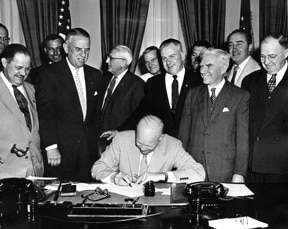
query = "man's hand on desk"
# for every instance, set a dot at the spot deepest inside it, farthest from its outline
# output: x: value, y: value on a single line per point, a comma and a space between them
x: 122, y: 179
x: 151, y: 177
x: 53, y: 157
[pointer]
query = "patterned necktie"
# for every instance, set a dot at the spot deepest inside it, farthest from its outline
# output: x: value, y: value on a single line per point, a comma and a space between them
x: 272, y: 83
x: 143, y: 165
x: 175, y: 93
x: 234, y: 74
x: 80, y: 91
x: 108, y: 95
x: 213, y: 95
x: 23, y: 106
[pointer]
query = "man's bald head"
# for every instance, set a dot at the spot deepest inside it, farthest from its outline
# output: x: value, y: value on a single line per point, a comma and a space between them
x: 149, y: 133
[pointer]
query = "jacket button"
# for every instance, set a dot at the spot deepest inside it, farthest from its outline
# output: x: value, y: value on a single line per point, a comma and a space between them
x: 26, y: 157
x: 257, y: 138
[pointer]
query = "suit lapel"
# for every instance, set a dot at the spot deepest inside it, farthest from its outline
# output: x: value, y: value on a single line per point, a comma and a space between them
x: 278, y: 101
x: 10, y: 102
x: 202, y: 104
x: 68, y: 84
x: 223, y: 97
x: 32, y: 105
x: 184, y: 89
x: 90, y: 90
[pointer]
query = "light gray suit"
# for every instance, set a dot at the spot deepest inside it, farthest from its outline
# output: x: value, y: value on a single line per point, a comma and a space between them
x: 123, y: 155
x: 251, y: 66
x: 13, y: 130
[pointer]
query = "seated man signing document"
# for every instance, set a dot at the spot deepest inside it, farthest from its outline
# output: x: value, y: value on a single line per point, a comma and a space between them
x: 146, y: 155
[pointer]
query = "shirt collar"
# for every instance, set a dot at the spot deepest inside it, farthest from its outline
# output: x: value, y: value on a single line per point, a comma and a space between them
x: 72, y: 68
x: 218, y: 87
x: 243, y: 64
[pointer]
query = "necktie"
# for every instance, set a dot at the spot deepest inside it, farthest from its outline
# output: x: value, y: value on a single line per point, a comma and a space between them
x: 272, y: 83
x: 143, y: 165
x: 213, y: 96
x: 23, y: 106
x: 108, y: 95
x: 234, y: 74
x: 175, y: 93
x: 80, y: 91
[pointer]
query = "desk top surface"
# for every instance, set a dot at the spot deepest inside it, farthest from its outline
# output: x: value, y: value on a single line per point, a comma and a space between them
x: 270, y: 205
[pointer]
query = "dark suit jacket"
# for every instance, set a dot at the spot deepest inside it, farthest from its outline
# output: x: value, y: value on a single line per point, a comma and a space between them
x: 124, y: 100
x: 220, y: 143
x: 60, y: 114
x: 268, y: 124
x: 156, y: 102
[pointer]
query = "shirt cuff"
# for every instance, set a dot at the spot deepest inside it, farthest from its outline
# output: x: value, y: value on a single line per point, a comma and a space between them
x: 54, y: 146
x: 171, y: 177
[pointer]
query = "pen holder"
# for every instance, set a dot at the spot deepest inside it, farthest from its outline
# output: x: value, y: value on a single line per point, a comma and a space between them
x: 149, y: 188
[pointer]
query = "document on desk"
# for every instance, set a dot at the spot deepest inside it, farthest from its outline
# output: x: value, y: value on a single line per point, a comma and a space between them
x: 244, y: 222
x: 235, y: 190
x: 134, y: 191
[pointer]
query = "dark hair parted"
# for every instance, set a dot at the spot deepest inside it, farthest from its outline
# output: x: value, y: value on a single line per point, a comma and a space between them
x: 246, y: 34
x: 11, y: 50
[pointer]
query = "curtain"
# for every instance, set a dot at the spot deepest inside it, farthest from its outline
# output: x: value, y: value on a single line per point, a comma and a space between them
x: 273, y: 17
x: 123, y: 23
x: 202, y: 20
x: 38, y: 19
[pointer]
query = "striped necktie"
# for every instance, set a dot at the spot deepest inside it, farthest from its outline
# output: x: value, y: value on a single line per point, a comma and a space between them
x: 213, y: 95
x: 23, y: 106
x: 272, y: 83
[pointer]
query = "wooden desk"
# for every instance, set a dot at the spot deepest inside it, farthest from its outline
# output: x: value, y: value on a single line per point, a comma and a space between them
x: 269, y: 205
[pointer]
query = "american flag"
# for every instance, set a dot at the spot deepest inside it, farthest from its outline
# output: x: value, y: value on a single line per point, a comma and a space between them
x: 64, y: 18
x: 245, y: 16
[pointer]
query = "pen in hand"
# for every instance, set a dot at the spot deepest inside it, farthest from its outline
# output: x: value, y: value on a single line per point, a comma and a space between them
x: 127, y: 181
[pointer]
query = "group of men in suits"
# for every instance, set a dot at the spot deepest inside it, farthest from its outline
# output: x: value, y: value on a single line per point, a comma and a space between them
x: 76, y: 105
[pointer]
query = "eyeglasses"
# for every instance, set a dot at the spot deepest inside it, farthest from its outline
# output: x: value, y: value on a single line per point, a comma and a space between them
x: 271, y: 57
x: 19, y: 152
x: 4, y: 39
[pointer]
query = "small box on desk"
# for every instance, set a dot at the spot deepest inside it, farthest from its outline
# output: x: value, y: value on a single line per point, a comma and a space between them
x: 68, y: 190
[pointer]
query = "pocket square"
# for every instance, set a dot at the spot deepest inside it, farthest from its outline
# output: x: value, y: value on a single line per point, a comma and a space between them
x: 225, y: 109
x: 95, y: 93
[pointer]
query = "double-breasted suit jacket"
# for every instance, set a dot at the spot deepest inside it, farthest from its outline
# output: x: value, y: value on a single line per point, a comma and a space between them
x: 124, y: 100
x: 219, y: 142
x: 251, y: 66
x: 268, y: 124
x: 61, y: 117
x: 155, y: 102
x: 13, y: 130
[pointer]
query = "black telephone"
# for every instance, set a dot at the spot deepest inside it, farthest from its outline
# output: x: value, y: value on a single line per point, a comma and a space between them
x: 204, y: 199
x: 15, y: 195
x: 205, y: 190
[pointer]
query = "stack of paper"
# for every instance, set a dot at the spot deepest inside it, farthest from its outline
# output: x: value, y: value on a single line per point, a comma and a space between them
x: 244, y: 222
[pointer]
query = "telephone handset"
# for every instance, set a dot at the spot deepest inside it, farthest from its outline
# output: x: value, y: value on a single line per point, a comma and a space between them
x: 205, y: 190
x: 15, y: 195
